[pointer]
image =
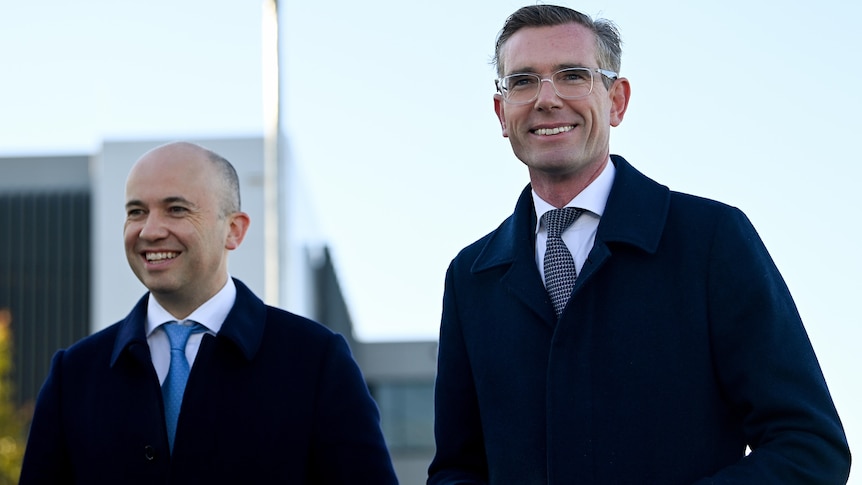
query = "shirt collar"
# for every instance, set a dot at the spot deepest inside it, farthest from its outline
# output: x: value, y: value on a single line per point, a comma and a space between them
x: 211, y: 314
x: 593, y: 198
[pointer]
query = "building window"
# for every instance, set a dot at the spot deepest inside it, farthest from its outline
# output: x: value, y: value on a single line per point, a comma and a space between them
x: 406, y: 413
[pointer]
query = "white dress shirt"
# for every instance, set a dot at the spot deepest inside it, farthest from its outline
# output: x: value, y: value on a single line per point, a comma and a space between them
x: 211, y: 315
x: 580, y: 236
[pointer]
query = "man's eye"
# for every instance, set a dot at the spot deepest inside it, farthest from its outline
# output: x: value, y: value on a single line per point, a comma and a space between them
x: 177, y: 209
x: 519, y: 82
x: 575, y: 76
x: 134, y: 212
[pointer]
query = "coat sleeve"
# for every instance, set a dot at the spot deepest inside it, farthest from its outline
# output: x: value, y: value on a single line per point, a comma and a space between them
x: 348, y: 445
x: 768, y: 369
x: 460, y: 457
x: 46, y: 459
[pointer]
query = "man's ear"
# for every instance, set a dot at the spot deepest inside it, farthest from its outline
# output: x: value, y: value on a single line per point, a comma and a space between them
x: 620, y: 93
x: 498, y: 108
x: 238, y: 223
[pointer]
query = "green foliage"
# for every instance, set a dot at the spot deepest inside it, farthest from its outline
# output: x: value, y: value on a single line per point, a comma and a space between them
x: 13, y: 421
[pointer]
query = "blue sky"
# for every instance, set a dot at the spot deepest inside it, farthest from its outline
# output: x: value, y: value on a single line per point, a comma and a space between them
x: 387, y: 108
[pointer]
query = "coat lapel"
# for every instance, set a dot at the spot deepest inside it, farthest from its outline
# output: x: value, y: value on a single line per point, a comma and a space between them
x: 512, y: 247
x: 636, y: 211
x: 132, y: 335
x: 245, y: 324
x: 635, y: 214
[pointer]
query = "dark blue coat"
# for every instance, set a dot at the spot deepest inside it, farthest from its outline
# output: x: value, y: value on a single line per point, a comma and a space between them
x: 274, y: 398
x: 680, y: 345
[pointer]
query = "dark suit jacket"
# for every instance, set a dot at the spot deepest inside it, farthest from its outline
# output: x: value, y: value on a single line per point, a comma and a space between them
x: 273, y: 398
x: 680, y: 346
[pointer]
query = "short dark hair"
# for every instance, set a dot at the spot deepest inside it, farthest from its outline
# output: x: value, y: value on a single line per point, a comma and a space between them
x: 231, y: 201
x: 608, y: 41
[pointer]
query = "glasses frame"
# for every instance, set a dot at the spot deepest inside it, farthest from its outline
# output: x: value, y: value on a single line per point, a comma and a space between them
x: 613, y: 76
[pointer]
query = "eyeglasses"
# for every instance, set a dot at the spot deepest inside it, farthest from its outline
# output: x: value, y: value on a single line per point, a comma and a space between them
x: 570, y: 83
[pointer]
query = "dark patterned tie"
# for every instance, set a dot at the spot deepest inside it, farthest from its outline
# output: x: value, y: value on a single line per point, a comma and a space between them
x: 560, y: 272
x: 175, y: 383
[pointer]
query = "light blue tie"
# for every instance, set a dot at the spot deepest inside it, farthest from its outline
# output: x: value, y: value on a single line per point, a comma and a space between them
x: 175, y: 383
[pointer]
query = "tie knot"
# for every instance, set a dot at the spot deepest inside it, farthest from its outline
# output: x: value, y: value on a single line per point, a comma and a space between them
x: 558, y: 220
x: 179, y: 334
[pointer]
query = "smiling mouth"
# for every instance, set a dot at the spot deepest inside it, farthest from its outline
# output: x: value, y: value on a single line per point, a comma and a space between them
x: 553, y: 131
x: 160, y: 256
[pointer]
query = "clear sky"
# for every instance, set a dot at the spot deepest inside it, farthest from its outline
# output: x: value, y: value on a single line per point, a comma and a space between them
x: 387, y: 108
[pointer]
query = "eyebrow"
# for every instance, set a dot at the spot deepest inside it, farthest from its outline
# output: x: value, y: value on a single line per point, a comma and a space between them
x: 531, y: 70
x: 167, y: 200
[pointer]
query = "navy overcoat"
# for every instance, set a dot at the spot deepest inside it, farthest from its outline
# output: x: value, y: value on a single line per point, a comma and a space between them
x: 680, y: 346
x: 273, y: 398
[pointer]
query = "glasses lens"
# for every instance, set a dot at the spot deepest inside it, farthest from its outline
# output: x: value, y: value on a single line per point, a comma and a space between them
x: 573, y: 83
x: 520, y: 88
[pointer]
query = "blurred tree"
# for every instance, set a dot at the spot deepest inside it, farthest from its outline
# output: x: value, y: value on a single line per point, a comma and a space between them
x: 13, y: 421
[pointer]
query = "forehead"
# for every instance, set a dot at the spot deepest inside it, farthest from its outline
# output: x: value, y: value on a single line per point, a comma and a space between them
x: 171, y: 173
x: 540, y: 49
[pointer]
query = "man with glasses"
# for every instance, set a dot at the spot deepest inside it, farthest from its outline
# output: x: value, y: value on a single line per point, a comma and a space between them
x: 610, y: 330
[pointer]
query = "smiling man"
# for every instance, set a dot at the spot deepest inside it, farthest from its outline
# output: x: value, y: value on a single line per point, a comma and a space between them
x: 202, y: 382
x: 612, y: 331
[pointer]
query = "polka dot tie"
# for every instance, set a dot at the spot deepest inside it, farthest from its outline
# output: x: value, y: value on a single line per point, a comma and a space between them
x: 560, y: 272
x: 178, y: 373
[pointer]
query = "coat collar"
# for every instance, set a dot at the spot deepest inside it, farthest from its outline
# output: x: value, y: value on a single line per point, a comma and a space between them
x: 637, y: 209
x: 635, y: 214
x: 243, y: 326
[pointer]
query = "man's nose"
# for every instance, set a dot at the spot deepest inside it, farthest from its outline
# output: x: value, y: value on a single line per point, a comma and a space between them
x: 153, y: 228
x: 547, y: 96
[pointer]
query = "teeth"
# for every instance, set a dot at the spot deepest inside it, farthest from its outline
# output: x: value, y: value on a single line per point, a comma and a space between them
x: 160, y: 256
x: 553, y: 131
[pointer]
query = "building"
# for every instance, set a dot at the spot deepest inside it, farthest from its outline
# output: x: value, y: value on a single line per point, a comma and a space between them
x: 63, y: 274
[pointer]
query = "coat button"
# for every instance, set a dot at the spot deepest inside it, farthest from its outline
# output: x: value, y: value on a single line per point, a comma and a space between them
x: 149, y: 453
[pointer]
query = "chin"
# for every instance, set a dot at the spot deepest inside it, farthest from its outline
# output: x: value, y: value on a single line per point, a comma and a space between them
x: 159, y: 285
x: 555, y: 166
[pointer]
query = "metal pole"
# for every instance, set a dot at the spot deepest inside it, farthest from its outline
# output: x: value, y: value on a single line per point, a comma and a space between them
x: 270, y: 62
